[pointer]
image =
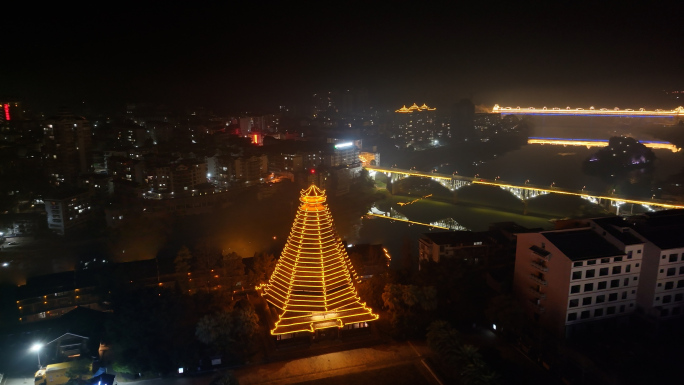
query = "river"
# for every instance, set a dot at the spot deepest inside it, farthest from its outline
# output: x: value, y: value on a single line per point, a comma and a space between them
x: 540, y: 164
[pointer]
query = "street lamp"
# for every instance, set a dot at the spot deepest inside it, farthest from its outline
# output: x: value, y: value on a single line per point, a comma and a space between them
x: 36, y: 348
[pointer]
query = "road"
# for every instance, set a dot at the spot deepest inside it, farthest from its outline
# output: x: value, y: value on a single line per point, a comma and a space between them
x: 339, y: 364
x: 390, y: 355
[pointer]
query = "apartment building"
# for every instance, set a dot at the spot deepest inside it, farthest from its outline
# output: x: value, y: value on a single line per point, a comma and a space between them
x: 68, y: 210
x: 661, y: 292
x: 566, y: 279
x: 468, y: 246
x: 251, y: 169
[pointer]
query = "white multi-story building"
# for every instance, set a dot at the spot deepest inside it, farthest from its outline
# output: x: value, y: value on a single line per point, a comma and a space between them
x: 67, y: 211
x: 567, y: 278
x: 343, y: 154
x: 613, y: 266
x: 661, y: 292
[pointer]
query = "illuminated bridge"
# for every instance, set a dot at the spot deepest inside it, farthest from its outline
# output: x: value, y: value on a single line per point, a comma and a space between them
x: 522, y: 192
x: 654, y: 144
x: 591, y: 111
x: 392, y: 214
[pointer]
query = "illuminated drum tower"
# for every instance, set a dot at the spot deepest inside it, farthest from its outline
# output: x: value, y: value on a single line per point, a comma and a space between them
x: 313, y: 282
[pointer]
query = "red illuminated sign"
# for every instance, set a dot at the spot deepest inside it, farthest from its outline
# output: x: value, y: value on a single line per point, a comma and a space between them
x: 7, y: 115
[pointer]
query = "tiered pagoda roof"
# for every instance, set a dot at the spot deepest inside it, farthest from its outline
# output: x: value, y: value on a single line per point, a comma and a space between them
x: 414, y: 108
x: 314, y: 281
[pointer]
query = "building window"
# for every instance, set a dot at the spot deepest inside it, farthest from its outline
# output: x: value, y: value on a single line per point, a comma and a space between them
x: 673, y: 257
x: 603, y: 271
x: 588, y: 286
x: 612, y: 297
x: 671, y: 271
x: 617, y: 269
x: 664, y: 312
x: 610, y: 310
x: 637, y: 265
x: 605, y: 260
x: 629, y: 254
x: 624, y: 295
x: 577, y: 264
x: 589, y: 273
x: 585, y: 314
x: 615, y: 283
x: 628, y: 268
x: 576, y: 275
x: 574, y: 302
x: 681, y: 270
x: 598, y: 312
x: 572, y: 316
x: 667, y: 298
x: 663, y: 257
x: 669, y: 285
x: 586, y: 301
x: 639, y: 251
x: 575, y: 289
x: 602, y: 285
x: 617, y: 259
x: 626, y: 281
x: 592, y: 262
x: 680, y: 283
x: 675, y: 311
x: 622, y: 308
x: 600, y: 298
x: 678, y: 297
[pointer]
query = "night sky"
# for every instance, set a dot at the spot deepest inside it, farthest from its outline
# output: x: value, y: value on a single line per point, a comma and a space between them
x: 259, y: 55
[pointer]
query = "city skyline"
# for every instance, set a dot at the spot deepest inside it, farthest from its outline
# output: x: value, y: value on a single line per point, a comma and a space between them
x: 258, y: 57
x: 218, y: 193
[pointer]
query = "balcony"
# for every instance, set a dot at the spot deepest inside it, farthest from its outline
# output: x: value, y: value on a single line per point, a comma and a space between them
x: 543, y: 253
x: 539, y: 266
x: 538, y: 293
x: 538, y: 279
x: 539, y: 308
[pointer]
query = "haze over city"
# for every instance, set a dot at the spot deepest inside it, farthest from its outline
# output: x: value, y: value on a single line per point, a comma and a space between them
x: 341, y: 193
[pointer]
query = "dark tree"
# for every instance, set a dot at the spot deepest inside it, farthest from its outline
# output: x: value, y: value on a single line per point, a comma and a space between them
x: 261, y: 269
x: 231, y: 270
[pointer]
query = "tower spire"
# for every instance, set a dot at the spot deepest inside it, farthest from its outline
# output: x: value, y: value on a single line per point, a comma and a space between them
x: 313, y: 283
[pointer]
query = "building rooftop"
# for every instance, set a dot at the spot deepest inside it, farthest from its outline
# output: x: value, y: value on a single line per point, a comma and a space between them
x: 582, y: 244
x: 456, y: 237
x: 55, y: 283
x: 664, y: 228
x: 616, y: 227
